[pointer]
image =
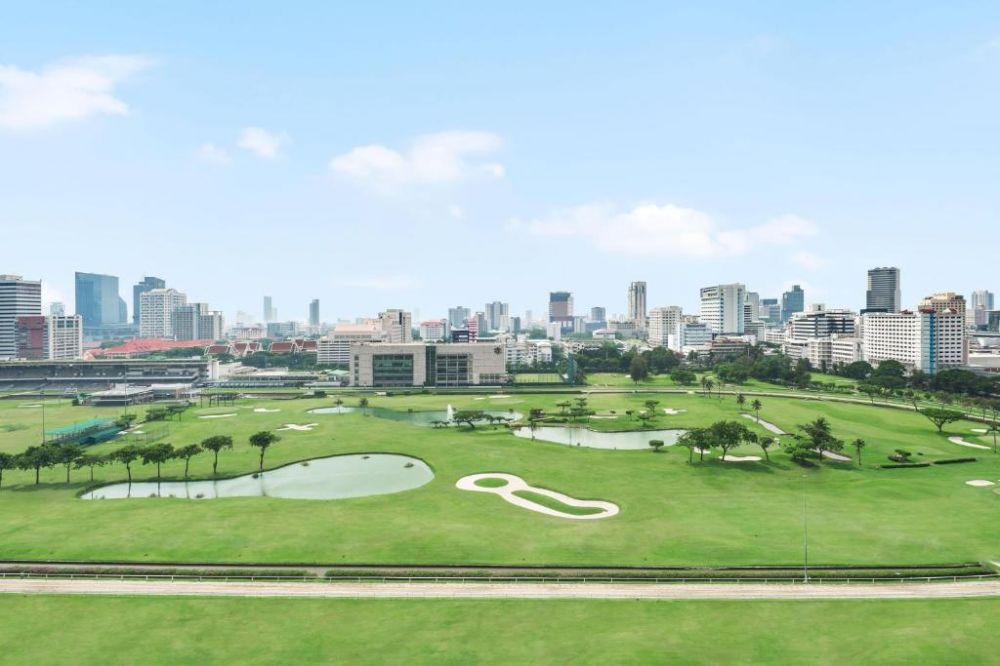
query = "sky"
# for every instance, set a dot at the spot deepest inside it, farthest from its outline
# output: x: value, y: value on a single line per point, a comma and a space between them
x: 427, y: 155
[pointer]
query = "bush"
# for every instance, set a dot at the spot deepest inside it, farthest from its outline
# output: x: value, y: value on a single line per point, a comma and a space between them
x: 905, y: 465
x: 952, y: 461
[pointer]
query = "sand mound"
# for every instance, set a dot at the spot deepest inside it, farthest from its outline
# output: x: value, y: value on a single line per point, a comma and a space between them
x: 981, y: 431
x: 217, y: 416
x: 305, y: 427
x: 670, y: 411
x: 264, y: 410
x: 962, y: 442
x: 516, y: 483
x: 980, y: 483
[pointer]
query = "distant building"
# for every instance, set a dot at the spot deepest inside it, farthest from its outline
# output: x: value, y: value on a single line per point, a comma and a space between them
x: 18, y: 298
x: 396, y: 325
x: 883, y: 290
x: 278, y: 330
x: 982, y: 302
x: 457, y: 316
x: 434, y: 330
x: 498, y: 316
x: 141, y: 288
x: 636, y: 304
x: 665, y: 327
x: 269, y: 311
x: 335, y: 348
x: 599, y: 315
x: 386, y: 365
x: 695, y: 335
x: 98, y: 302
x: 770, y: 310
x: 156, y: 309
x: 314, y: 313
x: 926, y: 340
x: 57, y: 309
x: 751, y: 307
x: 722, y: 308
x: 194, y: 321
x: 561, y: 309
x: 42, y: 338
x: 819, y: 322
x: 792, y: 301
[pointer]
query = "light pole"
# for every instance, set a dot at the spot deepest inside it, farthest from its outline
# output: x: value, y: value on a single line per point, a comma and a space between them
x: 805, y: 531
x: 43, y: 415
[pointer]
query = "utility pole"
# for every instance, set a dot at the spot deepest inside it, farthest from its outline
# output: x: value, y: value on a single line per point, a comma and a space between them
x: 805, y: 531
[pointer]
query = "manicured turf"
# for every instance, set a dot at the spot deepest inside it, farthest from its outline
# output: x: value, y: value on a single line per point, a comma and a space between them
x: 552, y: 503
x: 89, y: 630
x: 672, y: 513
x: 491, y: 483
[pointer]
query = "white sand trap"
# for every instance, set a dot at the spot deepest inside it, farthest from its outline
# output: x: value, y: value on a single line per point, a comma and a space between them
x: 980, y: 483
x: 962, y: 442
x: 601, y: 416
x: 305, y: 427
x: 839, y: 457
x: 217, y: 416
x: 981, y: 431
x: 740, y: 459
x: 764, y: 424
x: 264, y: 410
x: 690, y: 392
x: 670, y: 411
x: 515, y: 483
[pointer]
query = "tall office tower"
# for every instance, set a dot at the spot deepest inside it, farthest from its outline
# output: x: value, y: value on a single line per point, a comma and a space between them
x: 396, y: 326
x: 751, y: 307
x: 98, y: 302
x: 314, y: 312
x: 57, y: 309
x: 636, y: 302
x: 722, y: 308
x: 194, y: 321
x: 457, y: 316
x: 529, y: 319
x: 665, y: 327
x: 50, y: 338
x: 498, y: 315
x: 982, y: 303
x: 270, y: 312
x: 141, y: 288
x: 883, y: 290
x: 156, y: 312
x: 18, y: 298
x: 598, y: 314
x: 561, y: 309
x: 770, y: 310
x: 792, y: 301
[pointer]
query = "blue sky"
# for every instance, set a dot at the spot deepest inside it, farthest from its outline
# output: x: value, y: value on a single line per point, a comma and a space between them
x: 396, y: 155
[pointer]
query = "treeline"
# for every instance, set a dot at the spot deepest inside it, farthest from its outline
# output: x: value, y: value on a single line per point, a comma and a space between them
x: 892, y: 375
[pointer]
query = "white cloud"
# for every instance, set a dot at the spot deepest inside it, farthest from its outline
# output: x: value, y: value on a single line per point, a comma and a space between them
x: 378, y: 282
x: 265, y: 144
x: 665, y: 230
x: 65, y: 90
x: 808, y: 260
x: 209, y: 152
x: 444, y: 157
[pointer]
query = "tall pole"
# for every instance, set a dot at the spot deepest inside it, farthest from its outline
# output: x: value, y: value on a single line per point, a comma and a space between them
x: 805, y: 531
x: 43, y: 415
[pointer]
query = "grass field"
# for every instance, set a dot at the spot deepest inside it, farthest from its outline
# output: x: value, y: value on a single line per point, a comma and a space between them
x: 298, y: 631
x: 672, y: 513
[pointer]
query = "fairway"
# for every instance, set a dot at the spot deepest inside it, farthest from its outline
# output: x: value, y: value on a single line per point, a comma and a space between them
x: 291, y: 631
x: 672, y: 513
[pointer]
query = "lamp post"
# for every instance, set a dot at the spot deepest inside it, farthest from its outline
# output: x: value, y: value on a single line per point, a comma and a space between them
x: 805, y: 531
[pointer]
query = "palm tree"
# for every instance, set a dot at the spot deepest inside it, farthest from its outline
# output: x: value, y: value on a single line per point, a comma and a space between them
x: 704, y: 384
x: 755, y: 406
x: 708, y: 384
x: 741, y: 400
x: 858, y: 445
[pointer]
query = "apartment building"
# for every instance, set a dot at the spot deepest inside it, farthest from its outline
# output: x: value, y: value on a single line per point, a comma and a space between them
x: 156, y: 309
x: 665, y: 327
x: 722, y: 308
x: 50, y: 338
x: 925, y: 340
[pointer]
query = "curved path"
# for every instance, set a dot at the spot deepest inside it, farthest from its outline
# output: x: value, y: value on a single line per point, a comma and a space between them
x: 506, y: 590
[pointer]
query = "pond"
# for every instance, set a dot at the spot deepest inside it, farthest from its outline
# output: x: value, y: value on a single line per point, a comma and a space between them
x: 336, y: 477
x: 333, y: 410
x: 439, y: 416
x: 634, y: 440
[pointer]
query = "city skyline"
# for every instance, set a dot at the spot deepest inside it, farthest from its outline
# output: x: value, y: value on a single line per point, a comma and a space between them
x: 754, y: 146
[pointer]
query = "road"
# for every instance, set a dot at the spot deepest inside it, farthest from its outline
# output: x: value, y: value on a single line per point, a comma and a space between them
x: 503, y: 590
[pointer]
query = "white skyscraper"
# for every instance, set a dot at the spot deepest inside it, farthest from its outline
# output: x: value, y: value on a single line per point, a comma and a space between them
x: 982, y: 302
x: 927, y: 340
x: 722, y: 308
x: 156, y: 311
x: 18, y: 297
x: 396, y: 325
x: 665, y: 327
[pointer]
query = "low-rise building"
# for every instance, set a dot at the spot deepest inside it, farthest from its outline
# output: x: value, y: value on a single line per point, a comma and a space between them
x: 384, y: 365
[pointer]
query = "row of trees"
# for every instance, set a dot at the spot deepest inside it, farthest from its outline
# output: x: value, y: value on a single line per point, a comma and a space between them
x: 74, y: 456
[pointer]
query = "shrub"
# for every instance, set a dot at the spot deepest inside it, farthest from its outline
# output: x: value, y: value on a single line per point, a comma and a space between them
x: 952, y: 461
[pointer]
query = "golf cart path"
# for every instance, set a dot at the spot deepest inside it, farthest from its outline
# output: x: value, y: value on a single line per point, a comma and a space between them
x: 504, y: 590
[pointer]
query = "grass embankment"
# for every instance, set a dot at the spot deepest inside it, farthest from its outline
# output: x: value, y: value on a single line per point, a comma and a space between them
x: 86, y: 630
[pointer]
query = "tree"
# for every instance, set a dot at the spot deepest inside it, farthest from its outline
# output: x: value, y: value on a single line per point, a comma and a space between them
x: 216, y: 444
x: 683, y: 376
x: 756, y: 406
x: 994, y: 428
x: 263, y: 441
x: 870, y: 390
x: 696, y: 439
x: 363, y: 404
x: 818, y: 436
x: 708, y: 384
x: 741, y: 400
x: 638, y: 370
x: 90, y: 461
x: 7, y: 461
x: 651, y: 408
x: 157, y: 455
x: 859, y: 370
x: 128, y: 455
x: 338, y: 402
x: 765, y: 443
x: 941, y: 417
x: 186, y: 453
x: 657, y: 444
x: 37, y: 457
x: 563, y: 406
x: 729, y: 435
x: 469, y: 417
x: 67, y: 455
x: 858, y: 445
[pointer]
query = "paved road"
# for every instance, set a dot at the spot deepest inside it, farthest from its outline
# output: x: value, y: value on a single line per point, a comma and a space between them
x: 503, y: 590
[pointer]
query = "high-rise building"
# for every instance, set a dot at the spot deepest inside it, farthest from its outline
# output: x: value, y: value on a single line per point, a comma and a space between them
x: 18, y: 298
x: 982, y: 302
x: 926, y: 340
x: 498, y: 316
x: 156, y: 310
x: 141, y: 288
x: 598, y: 315
x: 770, y: 310
x: 194, y: 321
x: 883, y: 290
x: 270, y: 312
x: 396, y: 325
x: 561, y: 309
x: 314, y: 312
x: 722, y: 308
x: 665, y: 327
x: 792, y: 301
x: 751, y: 307
x: 98, y: 301
x: 819, y: 322
x: 636, y: 304
x: 57, y: 309
x: 457, y: 316
x: 50, y: 338
x: 948, y: 302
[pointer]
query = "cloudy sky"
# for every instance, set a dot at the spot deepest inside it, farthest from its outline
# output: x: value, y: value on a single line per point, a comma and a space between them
x: 395, y: 156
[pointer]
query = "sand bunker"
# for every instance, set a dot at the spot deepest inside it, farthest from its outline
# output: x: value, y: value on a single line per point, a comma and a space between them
x: 764, y: 424
x: 962, y: 442
x: 305, y: 427
x: 264, y: 410
x: 981, y: 431
x: 670, y: 411
x: 217, y: 416
x: 980, y: 483
x: 839, y: 457
x: 601, y: 416
x: 516, y: 483
x: 740, y: 459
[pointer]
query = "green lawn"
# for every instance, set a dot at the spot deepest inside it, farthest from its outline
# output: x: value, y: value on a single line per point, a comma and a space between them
x: 672, y: 513
x: 40, y: 630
